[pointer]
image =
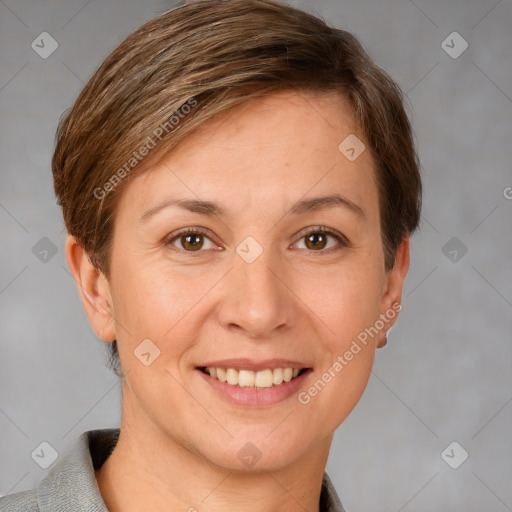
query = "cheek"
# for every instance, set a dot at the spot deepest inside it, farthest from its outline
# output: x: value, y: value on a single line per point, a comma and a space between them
x: 159, y: 304
x: 345, y: 301
x: 346, y: 306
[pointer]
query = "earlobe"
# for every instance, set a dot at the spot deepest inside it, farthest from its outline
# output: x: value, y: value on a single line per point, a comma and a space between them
x: 383, y: 340
x: 94, y: 290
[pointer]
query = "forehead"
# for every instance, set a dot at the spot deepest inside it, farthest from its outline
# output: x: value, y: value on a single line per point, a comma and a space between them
x: 277, y: 148
x: 313, y: 119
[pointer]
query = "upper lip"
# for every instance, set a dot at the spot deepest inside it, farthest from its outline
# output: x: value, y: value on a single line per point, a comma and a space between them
x: 254, y: 365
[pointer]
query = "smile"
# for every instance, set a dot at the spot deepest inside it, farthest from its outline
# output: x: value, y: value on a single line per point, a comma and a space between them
x: 253, y: 379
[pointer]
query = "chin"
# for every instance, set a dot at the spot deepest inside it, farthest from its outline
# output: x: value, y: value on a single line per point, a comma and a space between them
x: 257, y: 451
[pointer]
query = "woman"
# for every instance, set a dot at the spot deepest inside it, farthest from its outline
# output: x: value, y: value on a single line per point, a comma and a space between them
x: 239, y: 184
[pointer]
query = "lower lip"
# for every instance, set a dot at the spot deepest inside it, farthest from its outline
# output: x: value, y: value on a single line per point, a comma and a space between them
x: 256, y: 396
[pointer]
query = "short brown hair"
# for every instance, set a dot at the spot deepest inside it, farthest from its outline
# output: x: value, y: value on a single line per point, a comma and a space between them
x: 213, y: 55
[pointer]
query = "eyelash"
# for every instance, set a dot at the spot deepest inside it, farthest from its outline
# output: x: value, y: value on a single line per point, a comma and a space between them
x: 342, y: 240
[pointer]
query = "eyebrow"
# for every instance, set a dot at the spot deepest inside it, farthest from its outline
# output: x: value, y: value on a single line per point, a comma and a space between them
x: 210, y: 208
x: 322, y: 203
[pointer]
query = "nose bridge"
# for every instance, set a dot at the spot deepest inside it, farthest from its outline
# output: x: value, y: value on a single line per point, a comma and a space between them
x: 257, y: 300
x: 257, y: 276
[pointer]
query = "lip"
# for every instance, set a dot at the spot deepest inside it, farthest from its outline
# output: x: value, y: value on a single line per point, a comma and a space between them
x: 256, y: 366
x: 255, y: 396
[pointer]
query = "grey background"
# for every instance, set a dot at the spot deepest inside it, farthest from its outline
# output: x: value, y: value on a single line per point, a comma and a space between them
x: 445, y: 374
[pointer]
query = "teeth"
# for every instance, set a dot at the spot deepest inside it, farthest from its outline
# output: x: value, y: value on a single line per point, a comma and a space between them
x: 277, y: 375
x: 232, y: 376
x: 263, y: 379
x: 249, y: 379
x: 221, y: 373
x: 245, y: 378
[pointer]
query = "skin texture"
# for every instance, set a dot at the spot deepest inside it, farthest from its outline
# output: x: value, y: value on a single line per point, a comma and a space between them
x: 179, y: 438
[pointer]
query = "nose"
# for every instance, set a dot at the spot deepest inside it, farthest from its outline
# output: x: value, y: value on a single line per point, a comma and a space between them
x: 257, y: 299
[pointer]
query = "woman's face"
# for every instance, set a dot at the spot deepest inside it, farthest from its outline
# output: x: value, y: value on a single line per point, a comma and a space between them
x: 266, y: 284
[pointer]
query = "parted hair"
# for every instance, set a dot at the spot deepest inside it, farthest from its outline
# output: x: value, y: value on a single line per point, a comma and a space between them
x: 202, y: 58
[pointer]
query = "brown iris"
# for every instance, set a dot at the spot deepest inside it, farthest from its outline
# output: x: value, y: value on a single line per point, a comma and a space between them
x: 192, y: 242
x: 316, y: 240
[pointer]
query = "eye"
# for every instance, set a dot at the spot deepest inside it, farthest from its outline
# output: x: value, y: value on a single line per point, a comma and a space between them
x: 190, y: 240
x: 316, y: 239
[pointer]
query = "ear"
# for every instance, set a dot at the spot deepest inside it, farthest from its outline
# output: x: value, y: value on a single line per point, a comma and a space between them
x: 94, y: 290
x: 393, y: 285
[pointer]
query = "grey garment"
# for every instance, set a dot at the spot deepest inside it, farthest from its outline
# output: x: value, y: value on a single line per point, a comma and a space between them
x: 70, y: 485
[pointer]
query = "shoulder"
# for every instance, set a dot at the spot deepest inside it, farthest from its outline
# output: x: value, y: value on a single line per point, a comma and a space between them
x: 70, y: 484
x: 25, y: 501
